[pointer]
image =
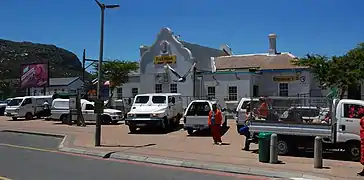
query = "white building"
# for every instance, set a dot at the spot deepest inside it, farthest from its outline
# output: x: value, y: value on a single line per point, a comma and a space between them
x: 219, y: 74
x: 59, y: 85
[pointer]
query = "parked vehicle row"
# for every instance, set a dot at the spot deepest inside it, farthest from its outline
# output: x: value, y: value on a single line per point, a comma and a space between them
x: 165, y: 110
x: 60, y: 111
x: 26, y: 107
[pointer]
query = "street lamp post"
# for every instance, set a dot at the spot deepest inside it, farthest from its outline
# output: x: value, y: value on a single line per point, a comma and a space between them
x: 98, y: 117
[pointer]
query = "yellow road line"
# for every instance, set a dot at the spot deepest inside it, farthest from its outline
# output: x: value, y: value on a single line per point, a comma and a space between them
x: 25, y: 147
x: 4, y: 178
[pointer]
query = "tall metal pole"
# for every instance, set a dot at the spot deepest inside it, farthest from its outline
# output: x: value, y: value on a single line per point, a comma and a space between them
x: 98, y: 116
x: 83, y: 64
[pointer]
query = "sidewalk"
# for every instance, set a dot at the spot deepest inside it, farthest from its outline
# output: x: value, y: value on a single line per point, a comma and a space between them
x: 178, y: 146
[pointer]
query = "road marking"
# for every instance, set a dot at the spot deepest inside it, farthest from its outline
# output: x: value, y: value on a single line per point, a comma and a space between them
x: 25, y: 147
x: 4, y: 178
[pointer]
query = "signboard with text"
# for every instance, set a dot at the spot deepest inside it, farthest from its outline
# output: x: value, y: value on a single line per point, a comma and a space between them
x: 165, y: 59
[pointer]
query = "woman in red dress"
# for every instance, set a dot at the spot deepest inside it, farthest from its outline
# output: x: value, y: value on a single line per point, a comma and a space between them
x: 361, y: 113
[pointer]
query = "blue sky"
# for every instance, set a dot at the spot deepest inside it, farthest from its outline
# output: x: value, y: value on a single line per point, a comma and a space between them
x: 328, y: 27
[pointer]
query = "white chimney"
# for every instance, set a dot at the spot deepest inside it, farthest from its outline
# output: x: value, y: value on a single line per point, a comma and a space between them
x: 272, y: 43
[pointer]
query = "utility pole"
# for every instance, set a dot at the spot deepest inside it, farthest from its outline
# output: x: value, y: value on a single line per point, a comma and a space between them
x: 98, y: 117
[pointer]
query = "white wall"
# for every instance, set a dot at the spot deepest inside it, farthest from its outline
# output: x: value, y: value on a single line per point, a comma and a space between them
x: 268, y: 87
x: 60, y: 89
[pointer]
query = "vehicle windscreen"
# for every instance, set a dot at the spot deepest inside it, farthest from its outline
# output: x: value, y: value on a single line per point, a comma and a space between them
x: 159, y: 99
x: 141, y: 99
x: 15, y: 102
x: 7, y: 101
x: 61, y: 105
x: 254, y: 104
x: 199, y: 109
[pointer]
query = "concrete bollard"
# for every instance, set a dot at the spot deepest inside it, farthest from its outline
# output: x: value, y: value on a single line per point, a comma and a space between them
x: 273, y: 158
x: 317, y: 158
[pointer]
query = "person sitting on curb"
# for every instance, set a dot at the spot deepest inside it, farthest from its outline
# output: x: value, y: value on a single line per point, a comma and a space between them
x: 245, y: 129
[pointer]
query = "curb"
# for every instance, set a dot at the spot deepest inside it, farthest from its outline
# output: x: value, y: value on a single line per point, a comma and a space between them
x: 213, y: 167
x: 36, y: 133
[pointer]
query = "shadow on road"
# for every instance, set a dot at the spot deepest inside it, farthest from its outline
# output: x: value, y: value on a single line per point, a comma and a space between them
x: 90, y: 123
x: 156, y: 131
x: 207, y: 132
x: 130, y: 146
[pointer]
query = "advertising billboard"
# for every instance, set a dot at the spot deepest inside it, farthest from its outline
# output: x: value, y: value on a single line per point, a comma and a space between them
x: 34, y: 75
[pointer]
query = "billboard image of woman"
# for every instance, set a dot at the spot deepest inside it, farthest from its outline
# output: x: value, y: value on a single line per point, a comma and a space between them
x: 34, y: 75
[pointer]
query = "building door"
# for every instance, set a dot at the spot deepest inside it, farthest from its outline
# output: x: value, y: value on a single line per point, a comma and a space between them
x: 255, y: 91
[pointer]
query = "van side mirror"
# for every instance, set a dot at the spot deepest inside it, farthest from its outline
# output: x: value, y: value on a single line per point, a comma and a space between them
x: 173, y: 100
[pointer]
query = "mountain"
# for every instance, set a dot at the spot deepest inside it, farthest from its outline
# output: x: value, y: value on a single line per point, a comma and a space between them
x: 62, y: 63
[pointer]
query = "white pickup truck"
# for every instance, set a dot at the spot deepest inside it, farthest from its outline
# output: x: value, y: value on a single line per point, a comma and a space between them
x: 60, y: 111
x: 341, y: 132
x: 196, y: 115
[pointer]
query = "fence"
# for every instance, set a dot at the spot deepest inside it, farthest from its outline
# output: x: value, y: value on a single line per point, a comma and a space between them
x: 300, y: 109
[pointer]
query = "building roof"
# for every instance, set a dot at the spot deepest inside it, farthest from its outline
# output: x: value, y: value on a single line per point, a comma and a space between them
x: 62, y: 81
x: 258, y: 61
x: 203, y: 50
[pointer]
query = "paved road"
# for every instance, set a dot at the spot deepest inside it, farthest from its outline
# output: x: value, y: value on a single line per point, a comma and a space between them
x: 31, y: 157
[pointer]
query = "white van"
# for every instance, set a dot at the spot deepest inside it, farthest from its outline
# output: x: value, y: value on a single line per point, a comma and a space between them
x: 162, y: 110
x: 60, y: 111
x: 27, y: 106
x: 196, y: 115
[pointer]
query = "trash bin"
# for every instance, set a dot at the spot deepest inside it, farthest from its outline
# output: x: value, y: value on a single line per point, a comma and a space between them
x: 264, y: 145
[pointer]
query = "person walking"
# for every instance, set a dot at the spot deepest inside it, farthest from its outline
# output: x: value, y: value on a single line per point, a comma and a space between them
x: 361, y: 114
x: 46, y: 109
x: 214, y: 122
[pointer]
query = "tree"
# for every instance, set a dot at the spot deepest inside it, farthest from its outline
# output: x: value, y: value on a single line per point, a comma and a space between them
x: 342, y: 72
x: 117, y: 73
x: 5, y: 89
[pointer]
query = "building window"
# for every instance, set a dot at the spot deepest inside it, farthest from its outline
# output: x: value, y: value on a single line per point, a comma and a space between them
x: 351, y: 111
x: 211, y: 92
x: 173, y: 88
x: 233, y: 93
x: 134, y: 91
x: 283, y: 89
x: 158, y: 88
x: 119, y: 93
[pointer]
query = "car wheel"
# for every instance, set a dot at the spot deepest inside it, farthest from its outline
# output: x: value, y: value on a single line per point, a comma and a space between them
x: 283, y: 147
x: 28, y: 116
x: 353, y: 150
x: 14, y: 118
x: 106, y: 119
x: 165, y: 124
x: 132, y: 129
x: 190, y: 131
x: 64, y: 119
